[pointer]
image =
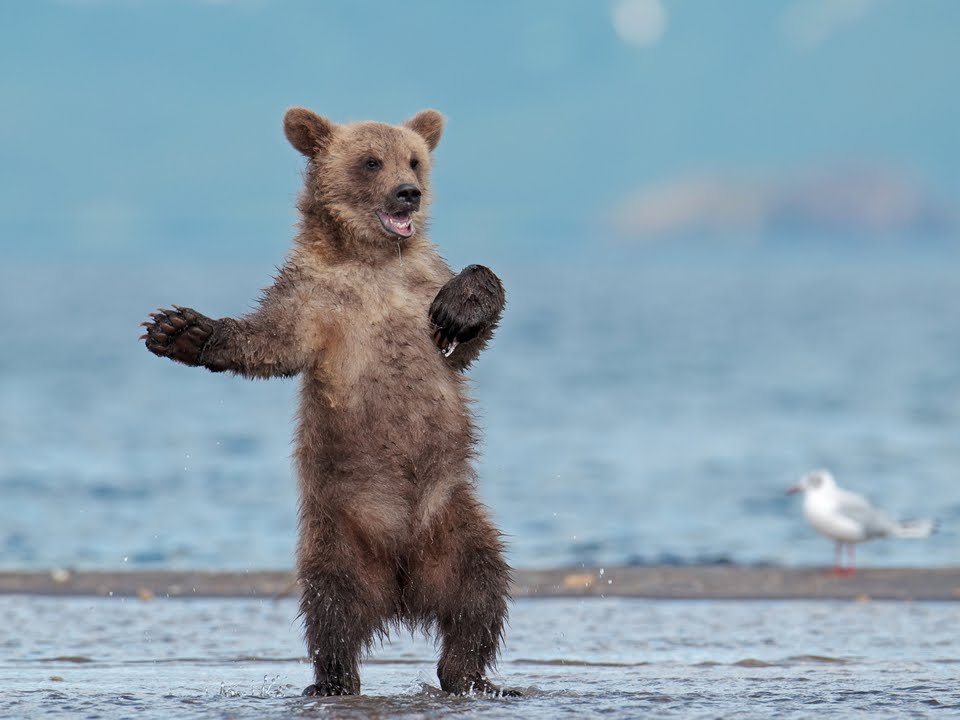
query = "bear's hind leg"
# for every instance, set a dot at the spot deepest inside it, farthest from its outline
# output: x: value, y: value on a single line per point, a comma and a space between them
x: 342, y: 614
x: 464, y: 586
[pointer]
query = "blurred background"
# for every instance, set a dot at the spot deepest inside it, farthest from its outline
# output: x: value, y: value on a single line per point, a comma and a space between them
x: 729, y: 232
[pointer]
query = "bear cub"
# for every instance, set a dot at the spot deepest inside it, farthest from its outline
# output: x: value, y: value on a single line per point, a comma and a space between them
x: 380, y: 331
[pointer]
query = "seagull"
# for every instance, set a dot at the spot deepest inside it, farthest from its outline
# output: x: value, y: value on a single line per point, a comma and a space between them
x: 848, y: 518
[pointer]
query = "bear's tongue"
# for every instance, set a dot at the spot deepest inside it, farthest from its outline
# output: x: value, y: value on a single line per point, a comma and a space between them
x: 399, y: 224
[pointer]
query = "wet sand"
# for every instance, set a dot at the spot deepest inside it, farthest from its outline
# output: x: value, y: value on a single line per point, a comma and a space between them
x: 663, y: 582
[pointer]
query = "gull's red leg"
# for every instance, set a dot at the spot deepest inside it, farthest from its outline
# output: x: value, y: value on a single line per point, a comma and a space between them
x: 837, y: 568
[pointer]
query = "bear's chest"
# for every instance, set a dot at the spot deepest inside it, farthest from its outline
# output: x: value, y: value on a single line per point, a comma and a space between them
x: 376, y: 330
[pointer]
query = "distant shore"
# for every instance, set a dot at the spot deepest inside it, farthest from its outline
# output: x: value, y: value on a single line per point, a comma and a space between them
x: 714, y: 582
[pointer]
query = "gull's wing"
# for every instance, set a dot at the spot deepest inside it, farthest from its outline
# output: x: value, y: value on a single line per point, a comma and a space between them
x: 856, y: 507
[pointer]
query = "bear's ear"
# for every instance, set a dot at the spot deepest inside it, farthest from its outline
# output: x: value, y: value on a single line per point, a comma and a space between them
x: 428, y: 124
x: 307, y: 132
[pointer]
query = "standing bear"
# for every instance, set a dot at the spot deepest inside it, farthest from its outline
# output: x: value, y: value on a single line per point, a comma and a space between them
x: 380, y: 331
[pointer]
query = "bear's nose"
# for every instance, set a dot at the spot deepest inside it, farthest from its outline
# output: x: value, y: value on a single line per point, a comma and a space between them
x: 408, y: 194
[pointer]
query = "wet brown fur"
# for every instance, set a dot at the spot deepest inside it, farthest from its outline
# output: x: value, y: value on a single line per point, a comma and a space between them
x: 391, y: 530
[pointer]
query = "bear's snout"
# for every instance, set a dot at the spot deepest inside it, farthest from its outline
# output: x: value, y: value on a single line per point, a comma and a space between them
x: 408, y: 196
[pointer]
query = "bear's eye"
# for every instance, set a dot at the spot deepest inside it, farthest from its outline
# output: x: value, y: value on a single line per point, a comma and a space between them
x: 414, y: 164
x: 373, y: 164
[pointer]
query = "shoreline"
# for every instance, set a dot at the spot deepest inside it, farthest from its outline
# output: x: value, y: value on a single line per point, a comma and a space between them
x: 712, y: 582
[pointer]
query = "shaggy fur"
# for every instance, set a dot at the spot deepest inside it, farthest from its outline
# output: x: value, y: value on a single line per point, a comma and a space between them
x: 379, y: 330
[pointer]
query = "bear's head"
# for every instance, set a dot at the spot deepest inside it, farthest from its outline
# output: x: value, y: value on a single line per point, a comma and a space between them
x: 369, y: 178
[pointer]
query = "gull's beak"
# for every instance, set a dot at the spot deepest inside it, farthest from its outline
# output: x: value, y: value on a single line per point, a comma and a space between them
x: 793, y: 489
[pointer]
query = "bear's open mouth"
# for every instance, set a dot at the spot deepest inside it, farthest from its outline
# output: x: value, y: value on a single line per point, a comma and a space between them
x: 399, y: 224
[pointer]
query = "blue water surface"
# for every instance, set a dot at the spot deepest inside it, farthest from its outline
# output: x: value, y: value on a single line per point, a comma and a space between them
x: 637, y: 407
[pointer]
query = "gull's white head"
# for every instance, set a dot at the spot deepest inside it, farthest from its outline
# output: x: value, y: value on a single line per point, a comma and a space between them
x: 818, y: 480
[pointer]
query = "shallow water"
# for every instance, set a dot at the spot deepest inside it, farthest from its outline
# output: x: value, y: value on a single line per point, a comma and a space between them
x: 112, y: 658
x: 635, y: 409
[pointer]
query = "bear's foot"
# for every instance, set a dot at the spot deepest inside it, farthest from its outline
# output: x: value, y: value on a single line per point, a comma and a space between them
x: 327, y: 689
x: 478, y: 686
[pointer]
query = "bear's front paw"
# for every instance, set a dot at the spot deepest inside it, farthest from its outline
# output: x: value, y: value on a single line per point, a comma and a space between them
x: 466, y: 306
x: 179, y: 334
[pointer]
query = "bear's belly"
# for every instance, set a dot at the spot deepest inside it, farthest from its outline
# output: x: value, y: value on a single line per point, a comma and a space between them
x: 384, y: 431
x: 415, y: 423
x: 386, y: 460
